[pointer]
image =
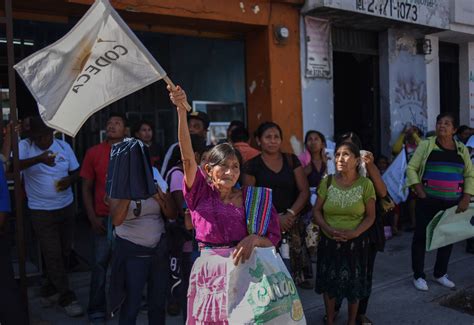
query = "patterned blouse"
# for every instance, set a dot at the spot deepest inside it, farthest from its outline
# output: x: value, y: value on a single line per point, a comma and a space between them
x: 216, y: 222
x: 344, y: 208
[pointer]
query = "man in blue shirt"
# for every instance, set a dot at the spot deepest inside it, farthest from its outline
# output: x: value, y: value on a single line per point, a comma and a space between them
x: 49, y: 168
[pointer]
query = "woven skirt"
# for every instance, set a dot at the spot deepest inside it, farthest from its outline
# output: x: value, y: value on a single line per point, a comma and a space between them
x: 207, y: 292
x: 342, y: 269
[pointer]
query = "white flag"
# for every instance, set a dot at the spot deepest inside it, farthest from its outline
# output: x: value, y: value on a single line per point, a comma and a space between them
x: 394, y: 178
x: 98, y: 62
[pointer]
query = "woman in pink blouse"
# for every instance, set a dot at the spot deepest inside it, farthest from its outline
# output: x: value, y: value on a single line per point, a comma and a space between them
x: 218, y: 216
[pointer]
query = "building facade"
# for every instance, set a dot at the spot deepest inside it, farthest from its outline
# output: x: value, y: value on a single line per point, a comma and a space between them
x: 369, y: 66
x: 385, y: 64
x: 238, y: 59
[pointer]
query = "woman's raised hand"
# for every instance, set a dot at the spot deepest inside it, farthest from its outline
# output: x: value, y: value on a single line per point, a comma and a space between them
x: 178, y: 97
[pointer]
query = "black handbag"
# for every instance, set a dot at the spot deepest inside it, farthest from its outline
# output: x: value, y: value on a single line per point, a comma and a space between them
x: 130, y: 174
x: 383, y: 210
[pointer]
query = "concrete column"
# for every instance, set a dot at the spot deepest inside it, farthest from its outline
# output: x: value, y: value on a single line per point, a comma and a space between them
x: 403, y: 82
x: 432, y: 83
x: 466, y: 84
x: 471, y: 84
x: 273, y: 75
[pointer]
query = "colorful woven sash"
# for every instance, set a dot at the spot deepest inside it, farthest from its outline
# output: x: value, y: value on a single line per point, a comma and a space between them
x: 258, y: 209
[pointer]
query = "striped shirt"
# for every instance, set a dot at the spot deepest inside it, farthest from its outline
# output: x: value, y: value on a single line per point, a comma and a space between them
x: 443, y: 178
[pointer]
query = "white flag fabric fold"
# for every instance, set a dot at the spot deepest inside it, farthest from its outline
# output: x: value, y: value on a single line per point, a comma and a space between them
x: 98, y: 62
x: 394, y: 178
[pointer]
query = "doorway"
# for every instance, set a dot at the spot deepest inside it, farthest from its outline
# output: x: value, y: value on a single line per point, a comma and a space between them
x: 356, y: 97
x: 449, y: 78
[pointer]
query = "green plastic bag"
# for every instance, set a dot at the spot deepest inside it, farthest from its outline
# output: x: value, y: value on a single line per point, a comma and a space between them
x: 448, y: 227
x: 261, y: 291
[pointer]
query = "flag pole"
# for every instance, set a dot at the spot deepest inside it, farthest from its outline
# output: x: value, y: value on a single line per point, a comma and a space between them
x: 20, y: 235
x: 173, y: 86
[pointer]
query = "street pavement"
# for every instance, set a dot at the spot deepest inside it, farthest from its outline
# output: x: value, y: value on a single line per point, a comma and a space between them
x: 394, y: 300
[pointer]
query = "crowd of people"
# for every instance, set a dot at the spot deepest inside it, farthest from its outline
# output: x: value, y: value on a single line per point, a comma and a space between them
x: 168, y: 243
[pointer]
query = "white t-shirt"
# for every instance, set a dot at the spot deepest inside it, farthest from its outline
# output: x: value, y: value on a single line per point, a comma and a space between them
x: 40, y: 179
x: 159, y: 180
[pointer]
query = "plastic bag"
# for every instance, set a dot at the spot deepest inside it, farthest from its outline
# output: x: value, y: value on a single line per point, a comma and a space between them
x: 449, y: 227
x: 312, y: 238
x: 261, y: 291
x: 130, y: 175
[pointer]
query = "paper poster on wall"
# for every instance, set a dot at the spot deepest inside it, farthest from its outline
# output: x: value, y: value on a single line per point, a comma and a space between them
x: 318, y: 63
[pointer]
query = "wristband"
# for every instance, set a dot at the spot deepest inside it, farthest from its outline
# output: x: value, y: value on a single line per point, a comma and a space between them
x: 291, y: 212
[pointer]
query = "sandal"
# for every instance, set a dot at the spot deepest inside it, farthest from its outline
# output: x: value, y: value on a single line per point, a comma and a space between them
x: 325, y: 318
x: 363, y: 320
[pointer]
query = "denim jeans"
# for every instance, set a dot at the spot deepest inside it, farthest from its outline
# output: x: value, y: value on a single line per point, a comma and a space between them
x: 102, y: 253
x: 426, y: 209
x: 141, y: 270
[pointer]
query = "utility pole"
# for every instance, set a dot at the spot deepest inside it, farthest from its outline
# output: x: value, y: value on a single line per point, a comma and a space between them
x: 20, y: 234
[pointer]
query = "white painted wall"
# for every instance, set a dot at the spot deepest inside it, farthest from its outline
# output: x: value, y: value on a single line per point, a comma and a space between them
x: 471, y: 84
x: 464, y: 84
x: 432, y: 83
x: 317, y: 97
x: 404, y: 97
x: 406, y: 82
x: 462, y: 12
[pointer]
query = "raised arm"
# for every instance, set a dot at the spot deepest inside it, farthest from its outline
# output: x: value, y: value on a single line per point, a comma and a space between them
x: 374, y: 174
x: 178, y: 97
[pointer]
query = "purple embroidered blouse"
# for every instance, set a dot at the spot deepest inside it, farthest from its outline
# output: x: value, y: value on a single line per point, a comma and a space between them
x: 216, y: 222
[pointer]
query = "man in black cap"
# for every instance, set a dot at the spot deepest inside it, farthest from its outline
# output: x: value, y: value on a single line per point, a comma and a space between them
x: 49, y: 169
x: 198, y: 123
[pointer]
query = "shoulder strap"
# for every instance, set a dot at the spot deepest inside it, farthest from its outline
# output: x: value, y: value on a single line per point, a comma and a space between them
x: 328, y: 183
x: 170, y: 173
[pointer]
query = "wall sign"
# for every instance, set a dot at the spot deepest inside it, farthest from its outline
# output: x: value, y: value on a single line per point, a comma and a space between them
x: 433, y: 13
x: 317, y: 48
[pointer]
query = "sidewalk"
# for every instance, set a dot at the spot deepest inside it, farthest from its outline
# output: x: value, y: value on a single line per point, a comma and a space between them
x: 394, y: 299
